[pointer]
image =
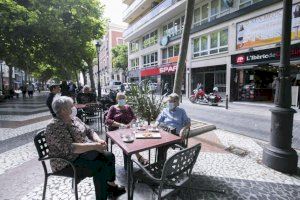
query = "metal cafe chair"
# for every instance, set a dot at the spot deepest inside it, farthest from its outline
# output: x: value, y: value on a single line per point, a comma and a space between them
x: 165, y: 177
x: 43, y: 152
x: 172, y: 130
x: 93, y: 112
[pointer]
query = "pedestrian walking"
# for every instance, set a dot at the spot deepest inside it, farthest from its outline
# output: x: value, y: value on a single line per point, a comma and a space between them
x: 64, y: 88
x: 72, y: 90
x: 122, y: 87
x: 30, y: 89
x: 167, y: 89
x: 23, y: 88
x: 54, y: 91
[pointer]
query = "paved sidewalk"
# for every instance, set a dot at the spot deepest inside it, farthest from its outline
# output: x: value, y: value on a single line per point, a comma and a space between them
x: 241, y: 176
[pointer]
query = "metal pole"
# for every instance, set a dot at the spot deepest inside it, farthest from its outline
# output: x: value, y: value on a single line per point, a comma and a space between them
x: 99, y: 86
x: 278, y: 154
x: 226, y: 101
x: 2, y: 83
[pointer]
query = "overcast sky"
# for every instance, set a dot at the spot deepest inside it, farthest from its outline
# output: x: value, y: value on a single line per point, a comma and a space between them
x: 114, y: 10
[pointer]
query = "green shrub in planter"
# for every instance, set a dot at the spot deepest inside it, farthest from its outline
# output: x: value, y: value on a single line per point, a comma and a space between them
x: 145, y: 104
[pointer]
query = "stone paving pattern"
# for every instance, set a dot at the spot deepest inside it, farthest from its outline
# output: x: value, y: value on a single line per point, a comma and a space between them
x: 21, y: 175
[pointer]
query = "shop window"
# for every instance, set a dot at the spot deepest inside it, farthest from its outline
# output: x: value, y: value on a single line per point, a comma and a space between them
x: 150, y: 60
x: 150, y: 39
x: 170, y: 54
x: 245, y: 3
x: 220, y: 81
x: 212, y: 43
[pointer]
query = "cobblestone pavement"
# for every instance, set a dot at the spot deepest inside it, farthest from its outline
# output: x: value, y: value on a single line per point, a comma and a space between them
x: 242, y: 177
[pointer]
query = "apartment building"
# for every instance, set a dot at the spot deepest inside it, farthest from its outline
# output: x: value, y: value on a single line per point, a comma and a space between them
x: 234, y: 44
x: 112, y: 38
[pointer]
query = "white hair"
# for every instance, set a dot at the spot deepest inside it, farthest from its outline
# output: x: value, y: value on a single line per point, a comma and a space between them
x: 61, y: 102
x: 120, y: 94
x: 86, y: 87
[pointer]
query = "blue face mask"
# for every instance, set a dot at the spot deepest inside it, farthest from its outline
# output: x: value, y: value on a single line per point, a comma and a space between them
x: 121, y: 102
x: 171, y: 106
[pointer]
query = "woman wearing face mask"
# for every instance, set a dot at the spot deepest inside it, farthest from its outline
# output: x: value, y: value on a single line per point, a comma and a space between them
x: 122, y: 116
x: 66, y: 138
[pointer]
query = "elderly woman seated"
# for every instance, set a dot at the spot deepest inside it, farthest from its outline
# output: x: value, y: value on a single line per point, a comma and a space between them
x: 121, y: 115
x: 173, y: 117
x: 66, y: 138
x: 86, y: 96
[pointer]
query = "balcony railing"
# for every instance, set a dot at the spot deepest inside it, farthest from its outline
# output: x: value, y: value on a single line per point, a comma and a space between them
x: 132, y: 7
x: 150, y: 15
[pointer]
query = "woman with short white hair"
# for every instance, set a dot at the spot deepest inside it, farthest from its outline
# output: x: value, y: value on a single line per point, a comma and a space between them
x: 66, y: 138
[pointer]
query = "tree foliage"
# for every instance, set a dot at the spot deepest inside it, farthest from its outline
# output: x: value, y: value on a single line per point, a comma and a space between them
x: 120, y: 57
x: 50, y: 36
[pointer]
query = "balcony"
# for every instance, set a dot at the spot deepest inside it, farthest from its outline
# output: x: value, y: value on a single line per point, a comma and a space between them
x: 136, y: 9
x: 128, y: 2
x: 155, y: 17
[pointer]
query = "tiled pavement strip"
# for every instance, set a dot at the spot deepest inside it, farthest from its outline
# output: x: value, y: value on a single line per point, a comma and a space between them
x: 241, y: 177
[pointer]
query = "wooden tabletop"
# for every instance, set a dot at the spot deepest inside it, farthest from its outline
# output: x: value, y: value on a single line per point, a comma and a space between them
x: 139, y: 145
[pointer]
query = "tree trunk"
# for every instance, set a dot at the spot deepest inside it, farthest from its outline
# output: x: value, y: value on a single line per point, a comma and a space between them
x: 84, y: 76
x: 184, y: 46
x: 10, y: 79
x: 77, y: 79
x: 91, y: 74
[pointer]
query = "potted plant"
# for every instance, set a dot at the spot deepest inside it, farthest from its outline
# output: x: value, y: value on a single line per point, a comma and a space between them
x: 144, y: 103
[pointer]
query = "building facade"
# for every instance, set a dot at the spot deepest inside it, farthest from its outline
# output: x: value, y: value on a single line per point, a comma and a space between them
x: 112, y: 38
x: 233, y: 45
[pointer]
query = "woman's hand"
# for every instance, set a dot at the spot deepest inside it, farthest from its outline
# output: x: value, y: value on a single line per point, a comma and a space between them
x: 100, y: 146
x: 124, y: 125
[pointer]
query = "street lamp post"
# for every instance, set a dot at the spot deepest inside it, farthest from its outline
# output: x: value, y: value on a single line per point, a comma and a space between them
x: 279, y: 154
x: 98, y: 45
x: 2, y: 83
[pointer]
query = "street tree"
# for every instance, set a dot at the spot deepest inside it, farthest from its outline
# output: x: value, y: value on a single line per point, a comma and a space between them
x: 120, y: 58
x: 48, y: 32
x: 89, y: 56
x: 184, y: 46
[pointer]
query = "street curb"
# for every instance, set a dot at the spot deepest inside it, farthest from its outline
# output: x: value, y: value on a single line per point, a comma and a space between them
x: 200, y: 128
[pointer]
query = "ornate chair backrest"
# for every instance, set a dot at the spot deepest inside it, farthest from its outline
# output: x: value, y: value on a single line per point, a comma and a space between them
x: 41, y: 144
x: 93, y: 108
x: 180, y: 164
x: 41, y: 147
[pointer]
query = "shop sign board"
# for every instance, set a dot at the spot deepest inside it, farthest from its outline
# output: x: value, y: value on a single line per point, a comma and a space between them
x: 150, y: 72
x: 263, y: 56
x: 168, y: 69
x: 163, y: 69
x: 266, y: 29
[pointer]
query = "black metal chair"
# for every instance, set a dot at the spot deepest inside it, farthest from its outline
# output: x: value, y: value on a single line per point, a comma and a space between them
x: 93, y: 112
x: 165, y: 178
x: 43, y: 152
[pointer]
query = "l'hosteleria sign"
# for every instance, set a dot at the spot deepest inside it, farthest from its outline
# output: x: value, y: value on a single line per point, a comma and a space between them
x: 164, y: 69
x: 263, y: 56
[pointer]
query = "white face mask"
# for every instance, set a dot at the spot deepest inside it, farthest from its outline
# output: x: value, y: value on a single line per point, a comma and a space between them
x: 171, y: 106
x: 121, y: 102
x: 74, y: 112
